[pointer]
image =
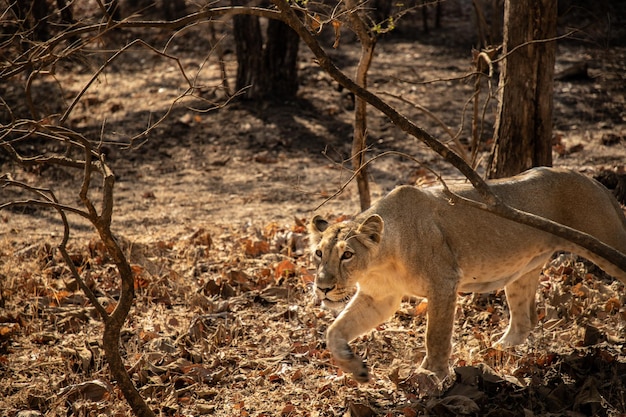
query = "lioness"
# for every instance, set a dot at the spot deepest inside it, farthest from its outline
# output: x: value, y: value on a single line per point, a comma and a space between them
x: 415, y: 242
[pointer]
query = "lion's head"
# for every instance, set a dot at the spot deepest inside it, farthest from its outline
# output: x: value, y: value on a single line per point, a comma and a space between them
x: 342, y: 252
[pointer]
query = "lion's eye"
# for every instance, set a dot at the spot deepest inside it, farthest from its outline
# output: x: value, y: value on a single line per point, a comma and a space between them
x: 318, y: 253
x: 346, y: 255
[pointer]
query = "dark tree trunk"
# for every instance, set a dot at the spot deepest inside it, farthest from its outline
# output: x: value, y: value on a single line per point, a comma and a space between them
x: 35, y: 10
x: 265, y: 71
x: 66, y: 12
x: 280, y: 60
x: 523, y: 128
x: 249, y: 46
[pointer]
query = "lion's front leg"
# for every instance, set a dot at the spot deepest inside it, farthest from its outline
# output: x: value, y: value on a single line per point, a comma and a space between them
x: 362, y: 314
x: 440, y: 322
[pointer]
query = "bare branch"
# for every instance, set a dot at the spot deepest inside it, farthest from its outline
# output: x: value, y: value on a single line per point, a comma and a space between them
x: 454, y: 136
x: 28, y: 129
x: 109, y: 61
x: 41, y: 55
x: 47, y: 198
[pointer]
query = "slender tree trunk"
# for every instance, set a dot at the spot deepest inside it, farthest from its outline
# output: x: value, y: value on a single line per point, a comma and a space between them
x: 359, y: 140
x: 523, y: 128
x: 113, y: 326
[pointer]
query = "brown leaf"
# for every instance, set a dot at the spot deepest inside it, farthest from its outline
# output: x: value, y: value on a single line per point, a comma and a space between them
x: 360, y: 410
x: 147, y: 336
x: 8, y: 329
x: 296, y: 376
x: 201, y: 237
x: 224, y: 290
x: 96, y: 390
x: 285, y: 269
x: 593, y: 336
x: 110, y: 307
x: 546, y: 360
x: 579, y: 290
x: 239, y: 278
x: 275, y: 379
x: 57, y: 298
x: 421, y: 308
x: 612, y: 305
x: 306, y: 276
x: 315, y: 22
x: 274, y: 294
x: 255, y: 248
x: 409, y: 412
x: 337, y: 28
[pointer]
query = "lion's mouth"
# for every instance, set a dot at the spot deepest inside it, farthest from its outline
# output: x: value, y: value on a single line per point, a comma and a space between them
x: 336, y: 303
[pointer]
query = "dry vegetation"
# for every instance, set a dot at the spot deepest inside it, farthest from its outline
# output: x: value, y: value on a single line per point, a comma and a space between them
x: 224, y: 324
x: 210, y: 213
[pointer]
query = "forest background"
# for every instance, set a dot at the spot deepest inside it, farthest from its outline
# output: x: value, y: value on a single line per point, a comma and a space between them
x: 210, y: 197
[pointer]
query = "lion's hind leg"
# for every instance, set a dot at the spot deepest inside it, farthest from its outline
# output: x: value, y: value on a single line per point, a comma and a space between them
x: 520, y: 296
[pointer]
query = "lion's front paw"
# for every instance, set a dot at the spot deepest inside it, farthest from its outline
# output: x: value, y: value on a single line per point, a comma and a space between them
x: 352, y: 363
x: 360, y: 374
x: 511, y: 338
x: 440, y: 369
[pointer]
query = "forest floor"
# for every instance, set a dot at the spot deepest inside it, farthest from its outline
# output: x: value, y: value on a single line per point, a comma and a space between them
x: 210, y: 207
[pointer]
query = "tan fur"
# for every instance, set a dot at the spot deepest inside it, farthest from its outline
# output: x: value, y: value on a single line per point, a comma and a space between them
x: 414, y: 242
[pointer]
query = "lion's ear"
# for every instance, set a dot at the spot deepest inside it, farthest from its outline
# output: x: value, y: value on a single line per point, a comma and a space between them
x: 373, y: 228
x: 317, y: 227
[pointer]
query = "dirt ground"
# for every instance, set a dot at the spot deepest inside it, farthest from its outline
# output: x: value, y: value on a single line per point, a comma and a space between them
x: 210, y: 207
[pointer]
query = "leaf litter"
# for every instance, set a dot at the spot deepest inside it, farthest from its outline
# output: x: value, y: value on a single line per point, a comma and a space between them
x: 225, y: 323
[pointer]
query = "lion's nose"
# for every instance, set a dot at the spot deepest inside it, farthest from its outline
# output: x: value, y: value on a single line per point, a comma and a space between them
x: 325, y: 290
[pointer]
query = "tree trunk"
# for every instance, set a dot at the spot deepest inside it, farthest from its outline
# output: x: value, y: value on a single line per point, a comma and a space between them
x: 265, y: 71
x: 523, y: 128
x: 280, y: 61
x: 249, y: 47
x: 359, y: 140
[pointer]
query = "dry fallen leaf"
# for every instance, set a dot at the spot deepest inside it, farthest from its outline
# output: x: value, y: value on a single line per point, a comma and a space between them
x: 456, y: 405
x: 285, y: 269
x: 337, y: 27
x: 96, y: 390
x: 612, y: 305
x: 256, y: 247
x: 360, y: 410
x: 422, y: 308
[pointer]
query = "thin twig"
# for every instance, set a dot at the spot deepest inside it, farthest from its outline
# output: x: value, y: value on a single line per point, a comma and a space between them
x: 455, y: 137
x: 522, y: 45
x: 109, y: 61
x: 369, y: 161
